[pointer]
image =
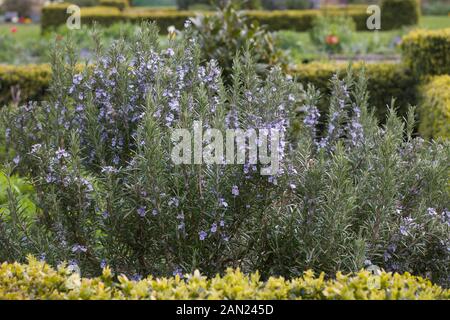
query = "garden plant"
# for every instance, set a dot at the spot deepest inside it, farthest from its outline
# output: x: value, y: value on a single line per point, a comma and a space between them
x: 350, y: 194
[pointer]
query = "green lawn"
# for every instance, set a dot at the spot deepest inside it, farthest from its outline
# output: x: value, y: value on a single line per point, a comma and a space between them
x: 434, y: 22
x: 299, y: 43
x: 24, y: 31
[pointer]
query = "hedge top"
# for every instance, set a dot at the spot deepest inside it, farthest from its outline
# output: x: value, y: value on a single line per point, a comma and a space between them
x: 299, y: 20
x: 37, y: 280
x: 427, y: 52
x: 424, y: 34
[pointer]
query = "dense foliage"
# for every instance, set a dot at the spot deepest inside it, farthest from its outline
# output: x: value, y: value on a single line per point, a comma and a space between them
x: 426, y: 52
x: 37, y: 280
x: 332, y: 34
x: 399, y: 13
x: 349, y: 195
x: 435, y: 108
x: 228, y: 33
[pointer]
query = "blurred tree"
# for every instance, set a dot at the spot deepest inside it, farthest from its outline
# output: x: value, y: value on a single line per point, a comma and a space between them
x: 25, y: 8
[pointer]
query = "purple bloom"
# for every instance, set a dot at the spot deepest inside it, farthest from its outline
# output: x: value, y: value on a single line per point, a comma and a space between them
x: 174, y: 202
x: 223, y: 203
x: 202, y: 235
x: 432, y: 211
x: 73, y: 266
x: 61, y: 153
x: 16, y: 160
x: 235, y: 191
x: 213, y: 228
x: 142, y: 211
x: 35, y: 148
x: 109, y: 169
x: 177, y: 272
x: 136, y: 277
x: 77, y: 248
x: 103, y: 264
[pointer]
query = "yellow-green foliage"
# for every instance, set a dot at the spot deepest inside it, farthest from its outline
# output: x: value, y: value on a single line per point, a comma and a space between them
x: 55, y: 15
x: 119, y: 4
x: 298, y: 20
x: 31, y: 80
x: 37, y: 280
x: 385, y: 81
x: 427, y: 52
x: 435, y: 108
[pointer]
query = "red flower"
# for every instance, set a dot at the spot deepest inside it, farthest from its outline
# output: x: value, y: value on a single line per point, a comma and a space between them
x: 14, y: 30
x: 332, y: 39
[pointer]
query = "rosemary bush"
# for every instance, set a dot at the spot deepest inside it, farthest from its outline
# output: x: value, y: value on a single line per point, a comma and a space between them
x: 98, y: 155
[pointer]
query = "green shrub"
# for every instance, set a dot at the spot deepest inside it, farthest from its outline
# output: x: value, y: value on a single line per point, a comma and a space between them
x: 31, y: 80
x: 385, y: 81
x: 229, y: 32
x: 426, y: 52
x: 298, y: 20
x: 38, y: 281
x: 399, y: 13
x: 435, y: 108
x: 119, y: 4
x: 332, y: 34
x: 99, y: 154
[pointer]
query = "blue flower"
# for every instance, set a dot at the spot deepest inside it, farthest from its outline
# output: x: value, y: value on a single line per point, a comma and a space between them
x: 202, y: 235
x: 142, y: 211
x: 432, y: 211
x: 78, y: 248
x: 178, y: 272
x: 16, y: 160
x: 223, y: 203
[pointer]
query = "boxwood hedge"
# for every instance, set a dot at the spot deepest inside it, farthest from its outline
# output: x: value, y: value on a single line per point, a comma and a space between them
x: 297, y: 20
x: 38, y: 280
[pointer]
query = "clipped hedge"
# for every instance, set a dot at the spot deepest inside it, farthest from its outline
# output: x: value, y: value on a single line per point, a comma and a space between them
x: 385, y: 81
x: 399, y: 13
x: 32, y: 80
x: 55, y: 15
x: 434, y: 108
x: 37, y: 280
x: 119, y: 4
x: 297, y: 20
x: 427, y: 52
